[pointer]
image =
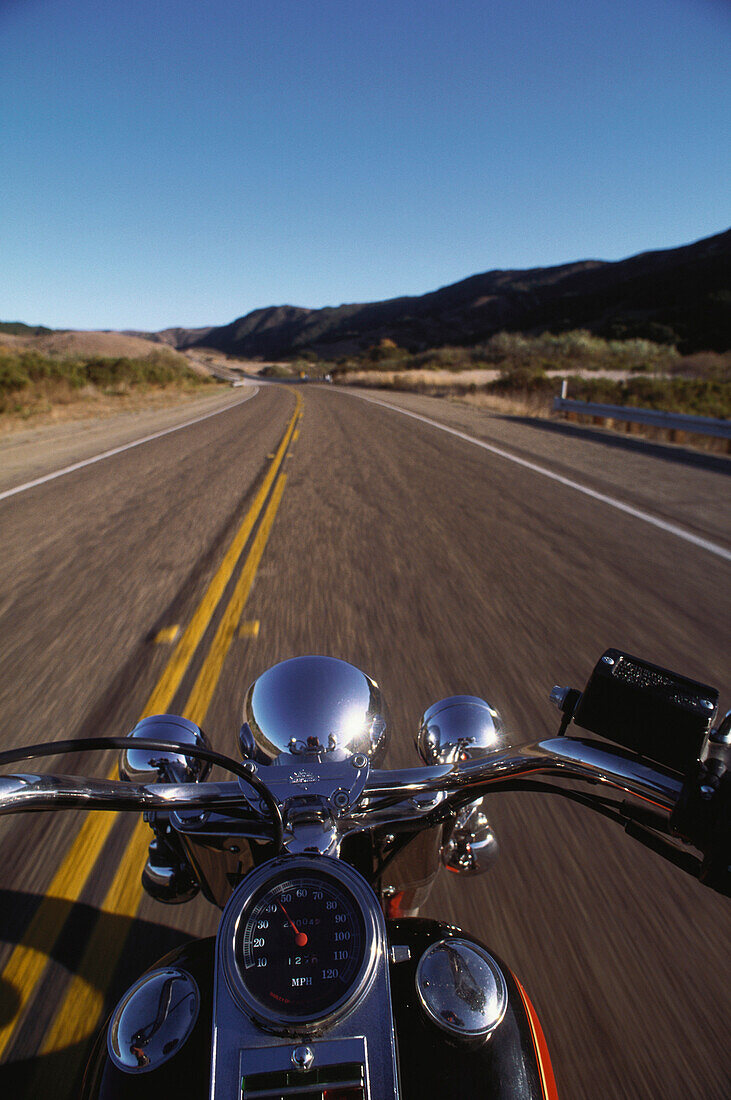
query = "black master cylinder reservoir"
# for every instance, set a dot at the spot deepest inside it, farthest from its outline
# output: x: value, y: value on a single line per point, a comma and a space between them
x: 648, y: 709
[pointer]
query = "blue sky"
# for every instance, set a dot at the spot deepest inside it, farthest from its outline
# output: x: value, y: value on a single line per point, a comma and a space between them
x: 181, y: 162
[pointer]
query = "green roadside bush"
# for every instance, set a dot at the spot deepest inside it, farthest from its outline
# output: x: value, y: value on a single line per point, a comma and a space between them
x: 509, y: 351
x: 577, y: 348
x: 278, y: 370
x: 524, y: 379
x: 693, y: 396
x: 36, y: 376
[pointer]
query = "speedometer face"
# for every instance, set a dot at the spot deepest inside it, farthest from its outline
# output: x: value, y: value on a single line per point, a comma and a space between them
x: 300, y: 944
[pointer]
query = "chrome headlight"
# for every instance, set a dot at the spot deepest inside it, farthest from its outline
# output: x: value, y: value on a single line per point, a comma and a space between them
x: 317, y: 704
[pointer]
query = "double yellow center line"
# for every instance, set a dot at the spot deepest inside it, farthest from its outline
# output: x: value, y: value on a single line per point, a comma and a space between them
x: 80, y: 1010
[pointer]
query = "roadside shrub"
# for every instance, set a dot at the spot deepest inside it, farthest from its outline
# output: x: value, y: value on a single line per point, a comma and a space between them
x: 387, y: 350
x: 513, y: 350
x: 510, y: 351
x: 523, y: 379
x: 705, y: 364
x: 278, y: 370
x: 41, y: 378
x: 13, y: 376
x: 694, y: 396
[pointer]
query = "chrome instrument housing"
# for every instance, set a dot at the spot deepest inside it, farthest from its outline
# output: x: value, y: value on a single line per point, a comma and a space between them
x: 249, y: 1039
x: 374, y: 944
x: 144, y: 765
x: 318, y: 705
x: 459, y: 729
x: 461, y: 989
x: 153, y: 1020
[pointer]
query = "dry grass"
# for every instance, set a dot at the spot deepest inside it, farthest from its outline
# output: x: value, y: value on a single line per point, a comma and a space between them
x: 90, y: 403
x: 535, y: 405
x: 42, y: 387
x: 418, y: 379
x: 539, y: 406
x: 9, y: 342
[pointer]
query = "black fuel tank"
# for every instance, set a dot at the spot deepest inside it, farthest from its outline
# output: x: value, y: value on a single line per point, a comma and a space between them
x: 512, y: 1064
x: 507, y: 1066
x: 185, y: 1075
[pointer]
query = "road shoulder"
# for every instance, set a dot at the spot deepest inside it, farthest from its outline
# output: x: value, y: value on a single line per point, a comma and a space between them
x: 684, y: 487
x: 37, y: 452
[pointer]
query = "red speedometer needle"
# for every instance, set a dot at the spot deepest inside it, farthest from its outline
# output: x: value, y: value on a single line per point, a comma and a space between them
x: 300, y: 938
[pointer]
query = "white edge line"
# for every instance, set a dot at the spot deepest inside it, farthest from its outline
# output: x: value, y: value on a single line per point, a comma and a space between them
x: 118, y: 450
x: 628, y: 509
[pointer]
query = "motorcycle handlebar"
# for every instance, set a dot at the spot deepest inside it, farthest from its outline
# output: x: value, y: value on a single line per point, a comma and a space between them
x: 649, y: 801
x: 560, y: 757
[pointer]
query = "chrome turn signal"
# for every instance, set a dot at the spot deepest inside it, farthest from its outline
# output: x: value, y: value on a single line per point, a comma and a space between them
x: 472, y: 846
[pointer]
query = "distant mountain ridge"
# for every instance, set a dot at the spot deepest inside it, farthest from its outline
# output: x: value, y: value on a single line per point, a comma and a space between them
x: 174, y: 337
x: 18, y: 328
x: 680, y: 295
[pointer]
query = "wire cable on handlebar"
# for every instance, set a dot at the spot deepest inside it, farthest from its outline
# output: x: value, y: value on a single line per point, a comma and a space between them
x: 54, y: 748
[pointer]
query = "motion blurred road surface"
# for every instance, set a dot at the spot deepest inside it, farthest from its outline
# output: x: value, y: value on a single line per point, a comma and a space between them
x: 438, y: 567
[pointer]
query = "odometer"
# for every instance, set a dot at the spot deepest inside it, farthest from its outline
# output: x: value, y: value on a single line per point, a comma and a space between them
x: 300, y: 943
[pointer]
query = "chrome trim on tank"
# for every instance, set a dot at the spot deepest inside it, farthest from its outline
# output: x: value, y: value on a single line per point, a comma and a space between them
x: 461, y: 989
x: 153, y: 1020
x: 243, y: 1046
x: 302, y: 1058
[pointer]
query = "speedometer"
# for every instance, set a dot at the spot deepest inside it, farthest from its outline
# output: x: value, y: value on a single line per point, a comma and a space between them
x: 303, y: 941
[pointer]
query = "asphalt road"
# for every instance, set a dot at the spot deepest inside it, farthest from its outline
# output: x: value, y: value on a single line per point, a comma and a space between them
x: 439, y: 567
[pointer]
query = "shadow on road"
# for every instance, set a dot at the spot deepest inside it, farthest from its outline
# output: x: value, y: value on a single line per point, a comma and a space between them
x: 701, y: 460
x: 59, y: 1072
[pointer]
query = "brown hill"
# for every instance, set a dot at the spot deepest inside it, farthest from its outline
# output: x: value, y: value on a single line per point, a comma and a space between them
x: 174, y: 337
x: 68, y: 345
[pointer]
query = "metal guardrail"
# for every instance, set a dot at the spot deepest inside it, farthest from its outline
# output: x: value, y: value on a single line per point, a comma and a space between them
x: 674, y: 422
